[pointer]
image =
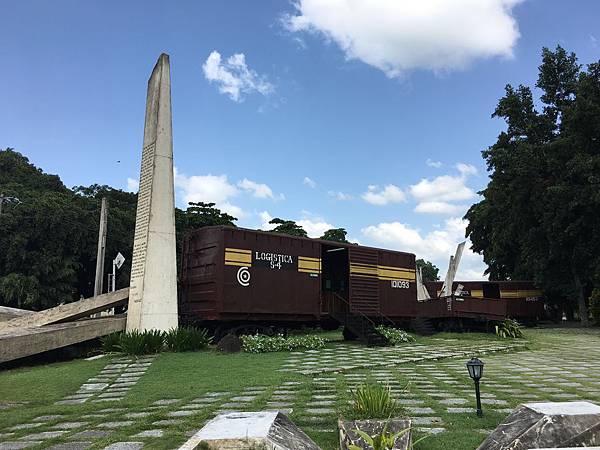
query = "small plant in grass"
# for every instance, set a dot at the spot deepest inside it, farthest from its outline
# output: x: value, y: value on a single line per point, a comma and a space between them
x: 381, y: 441
x: 110, y: 342
x: 141, y: 343
x: 260, y: 343
x: 186, y: 339
x: 509, y: 328
x: 373, y: 401
x: 394, y: 336
x: 384, y: 440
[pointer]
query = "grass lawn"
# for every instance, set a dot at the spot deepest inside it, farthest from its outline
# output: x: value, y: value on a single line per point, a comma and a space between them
x: 188, y: 376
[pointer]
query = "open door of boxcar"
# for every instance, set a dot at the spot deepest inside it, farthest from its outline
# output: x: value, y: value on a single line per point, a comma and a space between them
x: 364, y: 282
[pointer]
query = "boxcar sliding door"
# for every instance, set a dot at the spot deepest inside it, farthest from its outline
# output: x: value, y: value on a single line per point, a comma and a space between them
x: 364, y: 282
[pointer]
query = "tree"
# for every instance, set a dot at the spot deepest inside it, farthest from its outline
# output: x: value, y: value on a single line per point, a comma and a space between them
x: 336, y: 235
x: 287, y: 227
x: 41, y: 238
x: 429, y: 270
x: 48, y: 242
x: 538, y: 218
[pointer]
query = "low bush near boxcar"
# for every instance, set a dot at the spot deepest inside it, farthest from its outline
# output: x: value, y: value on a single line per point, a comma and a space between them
x: 259, y: 343
x: 186, y: 339
x: 110, y: 342
x: 372, y: 401
x: 509, y: 328
x: 141, y: 343
x: 394, y: 336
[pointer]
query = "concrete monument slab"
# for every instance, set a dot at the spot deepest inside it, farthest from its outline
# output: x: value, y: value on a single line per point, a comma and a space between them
x: 238, y: 430
x: 153, y: 285
x: 537, y: 425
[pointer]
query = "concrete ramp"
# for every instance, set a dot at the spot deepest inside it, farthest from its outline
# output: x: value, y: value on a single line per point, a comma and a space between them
x: 29, y: 333
x: 7, y: 313
x: 68, y: 311
x: 21, y: 342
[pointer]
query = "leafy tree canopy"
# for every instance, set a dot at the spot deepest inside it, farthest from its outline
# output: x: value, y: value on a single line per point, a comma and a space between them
x: 429, y: 270
x: 48, y: 242
x: 539, y: 215
x: 288, y: 227
x: 336, y: 235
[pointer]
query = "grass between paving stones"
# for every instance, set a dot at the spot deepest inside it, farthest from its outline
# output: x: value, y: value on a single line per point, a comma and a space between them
x: 187, y: 376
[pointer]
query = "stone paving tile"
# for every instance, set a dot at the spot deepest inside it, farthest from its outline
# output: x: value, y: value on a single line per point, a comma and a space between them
x: 42, y: 435
x: 125, y: 446
x: 48, y: 418
x: 155, y: 433
x: 69, y: 425
x: 167, y: 422
x: 166, y: 402
x: 26, y: 426
x: 91, y: 434
x: 116, y: 424
x: 18, y: 445
x: 72, y: 446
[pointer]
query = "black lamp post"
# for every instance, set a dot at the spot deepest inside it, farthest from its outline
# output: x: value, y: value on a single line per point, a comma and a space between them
x: 475, y: 367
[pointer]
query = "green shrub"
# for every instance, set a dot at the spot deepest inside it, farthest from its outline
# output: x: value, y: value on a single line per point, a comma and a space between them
x: 110, y: 342
x: 394, y: 336
x: 509, y: 328
x: 373, y: 401
x: 259, y: 343
x: 142, y: 343
x: 186, y: 339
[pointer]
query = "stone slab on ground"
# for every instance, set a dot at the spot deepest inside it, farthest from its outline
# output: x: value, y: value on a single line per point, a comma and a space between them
x: 18, y: 445
x: 239, y: 429
x: 125, y: 446
x: 349, y: 436
x: 552, y: 425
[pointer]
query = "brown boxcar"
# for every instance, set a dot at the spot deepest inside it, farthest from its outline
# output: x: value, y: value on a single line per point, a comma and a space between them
x: 233, y: 274
x: 241, y: 279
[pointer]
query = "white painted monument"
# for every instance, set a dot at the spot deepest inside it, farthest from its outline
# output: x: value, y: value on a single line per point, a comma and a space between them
x: 153, y: 285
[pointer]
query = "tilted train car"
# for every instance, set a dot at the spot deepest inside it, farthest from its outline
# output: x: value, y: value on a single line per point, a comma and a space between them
x: 246, y: 280
x: 498, y: 299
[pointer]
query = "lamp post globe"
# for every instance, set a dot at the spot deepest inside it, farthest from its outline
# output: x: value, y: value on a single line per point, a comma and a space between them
x: 475, y: 368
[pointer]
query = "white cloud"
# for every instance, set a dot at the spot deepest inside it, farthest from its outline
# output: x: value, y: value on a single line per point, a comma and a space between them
x: 389, y: 194
x: 258, y: 190
x: 435, y: 246
x: 400, y: 35
x: 445, y: 188
x: 338, y: 195
x: 265, y: 218
x: 314, y: 228
x: 210, y: 189
x: 466, y: 169
x: 439, y: 208
x: 133, y: 185
x: 233, y: 77
x: 431, y: 163
x: 436, y: 196
x: 309, y: 182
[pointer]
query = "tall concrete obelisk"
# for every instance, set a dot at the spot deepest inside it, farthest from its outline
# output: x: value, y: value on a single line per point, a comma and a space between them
x: 153, y: 286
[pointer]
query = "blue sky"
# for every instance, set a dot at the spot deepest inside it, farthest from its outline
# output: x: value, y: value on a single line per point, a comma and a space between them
x: 369, y: 116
